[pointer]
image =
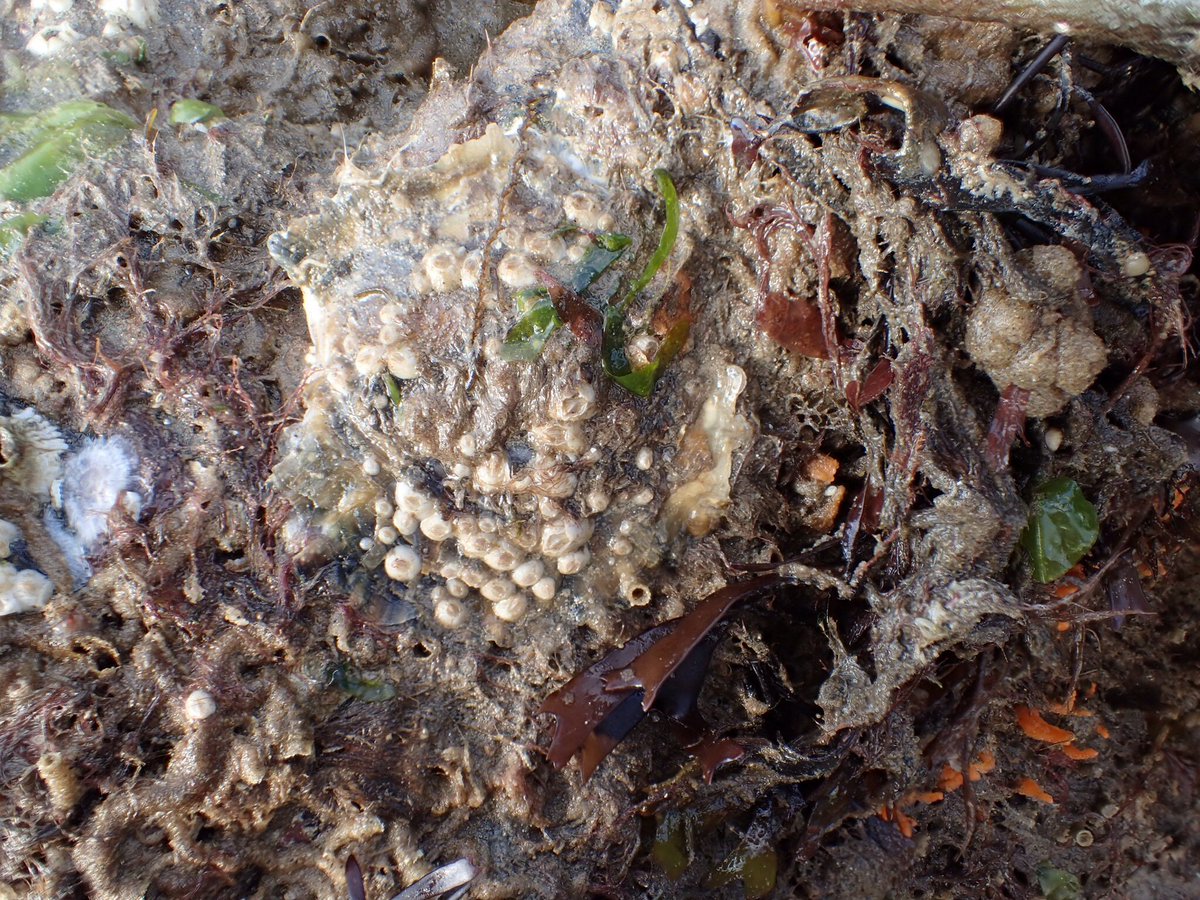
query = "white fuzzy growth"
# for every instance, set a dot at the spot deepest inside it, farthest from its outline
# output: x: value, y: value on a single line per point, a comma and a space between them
x: 39, y: 445
x: 22, y: 590
x: 94, y: 480
x: 8, y: 533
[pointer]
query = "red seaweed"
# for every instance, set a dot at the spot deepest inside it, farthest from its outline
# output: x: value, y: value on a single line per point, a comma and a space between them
x: 1008, y: 423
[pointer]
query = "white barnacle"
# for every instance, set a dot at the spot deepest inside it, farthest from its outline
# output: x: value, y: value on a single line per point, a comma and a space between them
x: 517, y: 270
x: 545, y: 589
x: 199, y: 704
x: 405, y: 522
x: 503, y: 557
x: 435, y: 527
x: 493, y: 473
x: 402, y: 362
x: 402, y: 563
x: 528, y: 573
x: 564, y: 535
x: 450, y: 612
x: 573, y: 401
x: 511, y: 608
x: 574, y: 562
x: 414, y: 501
x: 586, y: 211
x: 442, y: 267
x: 497, y: 589
x: 369, y: 360
x: 470, y: 269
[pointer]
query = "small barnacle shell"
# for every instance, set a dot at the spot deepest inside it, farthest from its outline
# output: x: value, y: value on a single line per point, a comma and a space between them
x: 392, y: 313
x: 413, y: 500
x: 200, y: 704
x: 369, y: 360
x: 402, y: 563
x: 517, y: 270
x: 574, y: 562
x: 405, y: 522
x: 511, y: 608
x: 402, y: 362
x: 634, y: 590
x: 470, y: 269
x: 493, y: 473
x: 552, y: 481
x: 545, y: 589
x: 566, y: 438
x: 586, y: 211
x: 564, y: 535
x: 434, y: 527
x: 503, y: 557
x: 450, y: 612
x: 442, y: 267
x: 528, y: 573
x: 573, y: 401
x: 497, y: 589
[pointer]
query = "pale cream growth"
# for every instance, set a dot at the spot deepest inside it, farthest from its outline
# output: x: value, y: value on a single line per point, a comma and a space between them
x: 383, y: 508
x: 457, y: 588
x: 644, y: 459
x: 442, y: 267
x: 545, y: 589
x: 8, y: 533
x: 511, y: 608
x: 402, y: 563
x: 1054, y: 439
x: 493, y: 473
x: 551, y: 481
x: 574, y: 562
x: 30, y: 451
x: 392, y: 313
x: 564, y: 535
x: 644, y: 497
x: 369, y: 361
x: 62, y: 784
x: 450, y: 612
x: 22, y: 590
x: 468, y: 445
x: 528, y: 573
x: 390, y: 335
x: 497, y: 589
x: 370, y: 466
x: 565, y: 438
x: 666, y: 57
x: 517, y: 270
x: 55, y: 6
x: 435, y: 527
x: 503, y: 557
x: 547, y: 246
x: 200, y: 704
x: 587, y: 212
x: 469, y: 271
x: 388, y: 534
x: 572, y: 401
x: 139, y: 12
x: 706, y: 457
x: 402, y: 362
x: 621, y: 546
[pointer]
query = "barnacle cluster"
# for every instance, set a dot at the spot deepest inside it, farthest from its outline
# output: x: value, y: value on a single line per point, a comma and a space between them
x: 484, y: 483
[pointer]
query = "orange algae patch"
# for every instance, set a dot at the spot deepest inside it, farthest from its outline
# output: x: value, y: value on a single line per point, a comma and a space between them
x: 1039, y: 729
x: 822, y: 469
x: 981, y: 766
x: 1079, y: 753
x: 1102, y: 731
x: 1027, y: 787
x: 951, y: 779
